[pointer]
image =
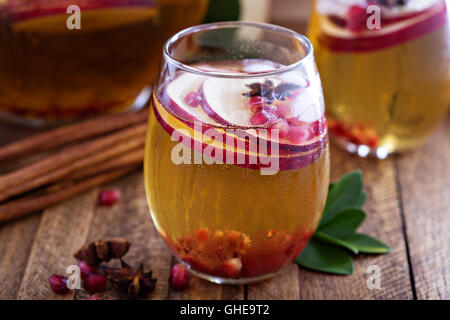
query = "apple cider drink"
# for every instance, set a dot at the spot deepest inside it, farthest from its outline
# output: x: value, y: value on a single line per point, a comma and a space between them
x: 237, y: 161
x: 52, y: 73
x: 385, y: 82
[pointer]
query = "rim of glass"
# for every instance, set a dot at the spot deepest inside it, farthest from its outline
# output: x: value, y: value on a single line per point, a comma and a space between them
x: 222, y: 25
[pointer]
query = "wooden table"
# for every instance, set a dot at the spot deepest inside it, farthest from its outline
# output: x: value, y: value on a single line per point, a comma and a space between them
x: 408, y: 208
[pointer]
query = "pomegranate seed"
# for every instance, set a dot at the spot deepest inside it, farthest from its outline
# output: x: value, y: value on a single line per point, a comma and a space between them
x: 256, y: 108
x: 317, y: 127
x: 282, y: 110
x: 58, y: 284
x: 294, y: 122
x: 232, y: 267
x: 373, y: 142
x: 262, y: 117
x: 94, y: 297
x: 193, y: 99
x: 357, y: 18
x: 202, y: 234
x: 297, y: 135
x: 257, y: 101
x: 283, y: 128
x: 95, y: 282
x: 179, y: 277
x: 86, y: 269
x: 270, y: 109
x: 108, y: 197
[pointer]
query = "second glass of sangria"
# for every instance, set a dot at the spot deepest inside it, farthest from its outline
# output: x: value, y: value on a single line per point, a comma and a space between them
x: 385, y: 71
x: 237, y: 160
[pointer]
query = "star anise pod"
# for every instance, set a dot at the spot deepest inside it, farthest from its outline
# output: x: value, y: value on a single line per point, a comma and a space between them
x: 284, y: 90
x: 136, y: 284
x: 103, y: 250
x: 270, y: 92
x: 390, y: 3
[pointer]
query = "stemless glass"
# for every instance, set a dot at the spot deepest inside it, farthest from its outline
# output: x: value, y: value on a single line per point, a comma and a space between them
x: 51, y: 72
x: 385, y: 82
x: 237, y: 160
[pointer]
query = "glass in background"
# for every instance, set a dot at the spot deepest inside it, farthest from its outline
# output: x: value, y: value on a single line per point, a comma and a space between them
x: 385, y: 90
x: 50, y: 74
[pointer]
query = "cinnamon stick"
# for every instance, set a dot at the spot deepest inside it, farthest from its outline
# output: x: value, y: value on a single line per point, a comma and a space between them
x: 97, y: 162
x: 71, y: 133
x: 22, y: 207
x: 69, y: 155
x: 135, y: 157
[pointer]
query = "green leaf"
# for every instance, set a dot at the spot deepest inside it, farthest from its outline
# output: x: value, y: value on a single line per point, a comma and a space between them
x: 366, y: 244
x: 336, y: 242
x: 343, y: 223
x: 223, y: 10
x: 362, y: 199
x: 320, y: 256
x: 330, y: 186
x: 344, y: 194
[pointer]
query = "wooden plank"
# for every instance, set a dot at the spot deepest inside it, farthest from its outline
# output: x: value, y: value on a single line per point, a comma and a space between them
x: 130, y: 219
x: 424, y: 177
x: 283, y: 286
x: 16, y: 240
x: 384, y: 222
x: 62, y: 230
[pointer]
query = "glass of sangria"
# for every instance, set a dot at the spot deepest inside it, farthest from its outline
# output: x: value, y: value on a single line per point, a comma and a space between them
x: 237, y: 160
x: 56, y: 68
x: 385, y: 71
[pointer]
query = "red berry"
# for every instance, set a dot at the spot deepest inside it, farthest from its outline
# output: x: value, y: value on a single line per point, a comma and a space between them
x: 86, y: 269
x: 202, y: 234
x: 283, y: 128
x: 298, y: 135
x: 357, y: 18
x: 95, y: 282
x: 108, y: 197
x: 58, y: 284
x: 269, y: 109
x: 256, y: 108
x: 282, y: 110
x: 256, y: 101
x: 295, y: 122
x: 179, y: 277
x: 94, y: 297
x: 232, y: 267
x: 262, y: 117
x: 193, y: 99
x: 317, y: 127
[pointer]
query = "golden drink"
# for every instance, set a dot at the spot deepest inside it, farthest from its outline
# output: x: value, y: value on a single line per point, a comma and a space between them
x: 385, y: 89
x: 49, y: 72
x: 232, y: 222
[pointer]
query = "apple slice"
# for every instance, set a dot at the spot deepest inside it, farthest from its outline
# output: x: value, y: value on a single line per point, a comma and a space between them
x: 178, y: 92
x: 224, y: 100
